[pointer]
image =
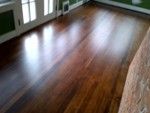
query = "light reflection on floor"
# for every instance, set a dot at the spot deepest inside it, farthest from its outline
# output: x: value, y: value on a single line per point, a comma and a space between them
x: 32, y: 55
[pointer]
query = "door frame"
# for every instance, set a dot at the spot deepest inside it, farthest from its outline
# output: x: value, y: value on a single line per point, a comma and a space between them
x: 39, y: 14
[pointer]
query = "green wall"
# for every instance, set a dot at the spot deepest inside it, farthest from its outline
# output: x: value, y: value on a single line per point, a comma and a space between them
x: 71, y: 2
x: 6, y: 22
x: 144, y: 3
x: 3, y: 1
x: 7, y: 19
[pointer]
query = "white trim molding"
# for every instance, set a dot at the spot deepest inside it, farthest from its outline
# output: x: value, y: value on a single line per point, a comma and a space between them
x: 131, y: 7
x: 76, y: 5
x: 17, y: 32
x: 71, y: 7
x: 4, y: 8
x: 8, y: 36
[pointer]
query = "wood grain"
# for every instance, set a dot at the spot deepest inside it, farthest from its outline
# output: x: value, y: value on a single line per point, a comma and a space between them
x: 74, y: 64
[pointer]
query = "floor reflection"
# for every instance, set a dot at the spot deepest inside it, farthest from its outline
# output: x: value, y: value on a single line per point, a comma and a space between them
x: 32, y: 55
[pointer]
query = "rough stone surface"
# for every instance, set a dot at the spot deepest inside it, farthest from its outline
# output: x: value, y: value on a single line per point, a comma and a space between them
x: 136, y: 95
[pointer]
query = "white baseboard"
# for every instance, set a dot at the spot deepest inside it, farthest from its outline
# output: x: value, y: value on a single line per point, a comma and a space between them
x: 76, y: 5
x: 7, y: 36
x: 59, y: 13
x: 135, y: 8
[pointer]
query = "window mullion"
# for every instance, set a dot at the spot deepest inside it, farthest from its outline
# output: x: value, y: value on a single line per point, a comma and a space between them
x: 29, y: 11
x: 48, y: 6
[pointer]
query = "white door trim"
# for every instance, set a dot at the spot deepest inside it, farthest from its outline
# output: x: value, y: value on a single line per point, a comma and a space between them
x: 4, y: 8
x: 40, y: 16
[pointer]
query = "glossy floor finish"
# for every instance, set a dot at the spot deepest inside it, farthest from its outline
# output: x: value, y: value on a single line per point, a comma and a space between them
x: 75, y: 64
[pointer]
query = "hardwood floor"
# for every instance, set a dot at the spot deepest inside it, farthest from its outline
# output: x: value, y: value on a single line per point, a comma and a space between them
x: 75, y: 64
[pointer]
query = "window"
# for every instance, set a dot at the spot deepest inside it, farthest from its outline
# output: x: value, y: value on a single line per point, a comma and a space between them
x: 48, y: 7
x: 29, y: 10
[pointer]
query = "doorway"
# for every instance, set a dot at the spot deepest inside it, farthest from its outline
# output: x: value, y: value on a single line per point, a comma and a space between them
x: 35, y: 12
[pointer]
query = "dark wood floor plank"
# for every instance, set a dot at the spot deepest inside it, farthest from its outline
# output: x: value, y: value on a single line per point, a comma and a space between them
x: 74, y: 64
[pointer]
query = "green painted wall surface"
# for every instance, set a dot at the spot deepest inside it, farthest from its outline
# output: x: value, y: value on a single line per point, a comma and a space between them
x: 144, y: 3
x: 6, y: 22
x: 71, y: 2
x: 4, y: 1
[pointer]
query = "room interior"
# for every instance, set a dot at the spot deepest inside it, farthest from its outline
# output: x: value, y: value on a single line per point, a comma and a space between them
x: 74, y: 56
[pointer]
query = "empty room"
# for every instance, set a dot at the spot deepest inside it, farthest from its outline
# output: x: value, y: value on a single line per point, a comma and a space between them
x: 74, y: 56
